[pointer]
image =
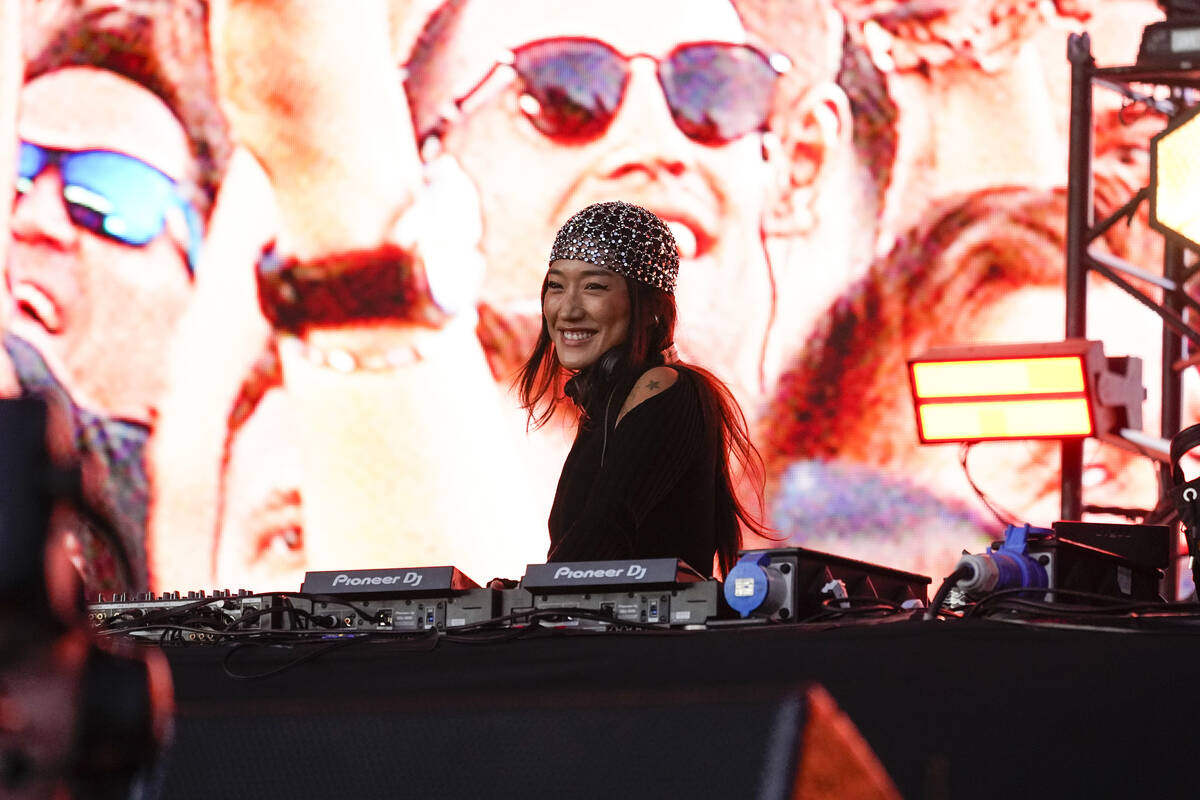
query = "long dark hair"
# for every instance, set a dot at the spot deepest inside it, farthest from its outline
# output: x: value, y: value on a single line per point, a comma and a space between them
x: 541, y: 386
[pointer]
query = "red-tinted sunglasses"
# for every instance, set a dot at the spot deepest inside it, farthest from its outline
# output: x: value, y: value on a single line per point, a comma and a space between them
x: 572, y: 87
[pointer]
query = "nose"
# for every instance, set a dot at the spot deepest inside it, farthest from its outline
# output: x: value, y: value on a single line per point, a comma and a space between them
x: 40, y: 214
x: 572, y: 307
x: 643, y: 137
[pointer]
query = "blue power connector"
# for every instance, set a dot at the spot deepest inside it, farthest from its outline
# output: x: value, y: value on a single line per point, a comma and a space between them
x: 1009, y: 567
x: 754, y: 586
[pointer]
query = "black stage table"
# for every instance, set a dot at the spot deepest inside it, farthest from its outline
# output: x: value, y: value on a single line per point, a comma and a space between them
x: 956, y: 708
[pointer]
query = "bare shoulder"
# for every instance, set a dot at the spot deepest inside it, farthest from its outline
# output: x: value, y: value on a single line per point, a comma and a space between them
x: 653, y: 381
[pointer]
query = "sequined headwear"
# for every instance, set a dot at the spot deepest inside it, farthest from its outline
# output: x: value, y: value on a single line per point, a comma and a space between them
x: 624, y: 238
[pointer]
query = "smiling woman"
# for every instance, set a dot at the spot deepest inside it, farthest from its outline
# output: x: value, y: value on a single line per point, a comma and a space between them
x: 649, y: 472
x: 587, y: 311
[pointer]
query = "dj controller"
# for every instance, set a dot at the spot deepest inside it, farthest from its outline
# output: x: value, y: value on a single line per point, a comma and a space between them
x: 768, y: 585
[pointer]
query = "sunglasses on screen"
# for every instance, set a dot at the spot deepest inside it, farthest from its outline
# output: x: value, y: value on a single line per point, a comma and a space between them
x: 572, y: 87
x: 112, y: 194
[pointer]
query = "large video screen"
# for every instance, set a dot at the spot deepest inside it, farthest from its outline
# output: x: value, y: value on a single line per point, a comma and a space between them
x: 849, y: 183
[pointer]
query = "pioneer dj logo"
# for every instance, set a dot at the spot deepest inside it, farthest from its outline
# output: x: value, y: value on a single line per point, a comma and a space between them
x: 634, y: 572
x: 409, y: 579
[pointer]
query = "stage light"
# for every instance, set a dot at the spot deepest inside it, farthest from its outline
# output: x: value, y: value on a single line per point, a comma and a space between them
x: 1175, y: 179
x: 1052, y: 390
x: 1173, y: 43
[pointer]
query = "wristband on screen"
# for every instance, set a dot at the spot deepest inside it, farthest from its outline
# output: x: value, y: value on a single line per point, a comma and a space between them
x: 383, y: 285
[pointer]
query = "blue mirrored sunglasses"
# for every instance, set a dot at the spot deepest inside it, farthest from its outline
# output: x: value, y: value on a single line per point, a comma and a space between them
x: 113, y: 194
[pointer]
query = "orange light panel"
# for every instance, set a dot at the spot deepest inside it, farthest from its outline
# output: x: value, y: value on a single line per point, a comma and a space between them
x: 1004, y: 376
x: 1173, y: 183
x: 1011, y: 419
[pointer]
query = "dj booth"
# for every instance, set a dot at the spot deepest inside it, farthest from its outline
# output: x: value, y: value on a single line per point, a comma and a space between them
x: 951, y: 708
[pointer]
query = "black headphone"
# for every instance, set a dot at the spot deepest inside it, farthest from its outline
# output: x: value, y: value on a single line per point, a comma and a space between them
x: 581, y: 386
x: 1185, y: 495
x: 1181, y: 444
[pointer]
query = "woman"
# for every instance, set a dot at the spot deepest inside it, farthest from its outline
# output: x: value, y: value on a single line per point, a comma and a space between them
x: 649, y: 474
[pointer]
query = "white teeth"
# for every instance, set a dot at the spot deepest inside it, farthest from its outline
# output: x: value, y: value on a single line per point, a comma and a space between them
x: 37, y: 304
x: 685, y: 238
x: 576, y: 336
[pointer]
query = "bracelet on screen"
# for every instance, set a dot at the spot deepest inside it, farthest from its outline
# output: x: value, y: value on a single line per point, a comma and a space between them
x: 387, y: 284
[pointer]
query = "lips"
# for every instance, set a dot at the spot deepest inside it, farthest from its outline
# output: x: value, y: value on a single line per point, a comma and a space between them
x: 576, y: 336
x: 35, y: 303
x: 693, y: 232
x: 685, y: 238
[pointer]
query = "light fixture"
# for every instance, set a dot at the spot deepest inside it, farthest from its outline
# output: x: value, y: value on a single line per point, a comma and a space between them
x: 1175, y: 178
x: 1173, y: 43
x: 1051, y: 390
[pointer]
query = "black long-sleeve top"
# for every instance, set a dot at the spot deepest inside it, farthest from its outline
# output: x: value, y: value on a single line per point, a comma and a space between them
x: 648, y: 487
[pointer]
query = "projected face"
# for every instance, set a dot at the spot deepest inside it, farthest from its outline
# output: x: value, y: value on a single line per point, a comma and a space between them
x: 261, y: 531
x: 531, y: 181
x: 100, y: 308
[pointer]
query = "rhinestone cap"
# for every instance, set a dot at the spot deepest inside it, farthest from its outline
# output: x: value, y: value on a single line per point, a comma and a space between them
x: 624, y: 238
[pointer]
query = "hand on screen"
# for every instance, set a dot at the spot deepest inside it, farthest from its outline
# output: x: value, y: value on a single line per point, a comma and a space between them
x: 314, y: 93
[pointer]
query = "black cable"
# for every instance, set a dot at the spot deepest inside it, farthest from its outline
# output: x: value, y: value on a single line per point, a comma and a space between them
x: 536, y: 614
x: 939, y: 597
x: 126, y: 621
x: 169, y: 627
x: 855, y: 605
x: 1113, y: 604
x: 593, y: 615
x: 850, y: 614
x: 1002, y: 515
x: 487, y: 632
x: 1134, y: 622
x: 1118, y: 511
x: 168, y: 613
x: 254, y: 614
x: 325, y: 598
x: 1017, y: 605
x: 865, y: 598
x: 311, y: 655
x: 426, y: 639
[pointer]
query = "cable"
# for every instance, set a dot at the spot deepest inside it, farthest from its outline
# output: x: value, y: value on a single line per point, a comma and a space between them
x: 424, y: 640
x: 1002, y: 515
x: 279, y: 603
x: 115, y: 623
x: 325, y: 598
x: 1134, y: 623
x: 867, y: 606
x: 1118, y: 511
x: 943, y: 591
x: 169, y: 627
x: 1114, y: 605
x: 862, y: 598
x: 1153, y: 104
x: 285, y: 607
x: 314, y: 654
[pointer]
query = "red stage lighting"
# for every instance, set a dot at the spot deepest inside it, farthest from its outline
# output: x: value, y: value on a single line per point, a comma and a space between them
x: 1052, y: 390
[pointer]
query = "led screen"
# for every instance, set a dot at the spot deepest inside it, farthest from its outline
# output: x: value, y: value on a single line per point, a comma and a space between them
x: 849, y: 183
